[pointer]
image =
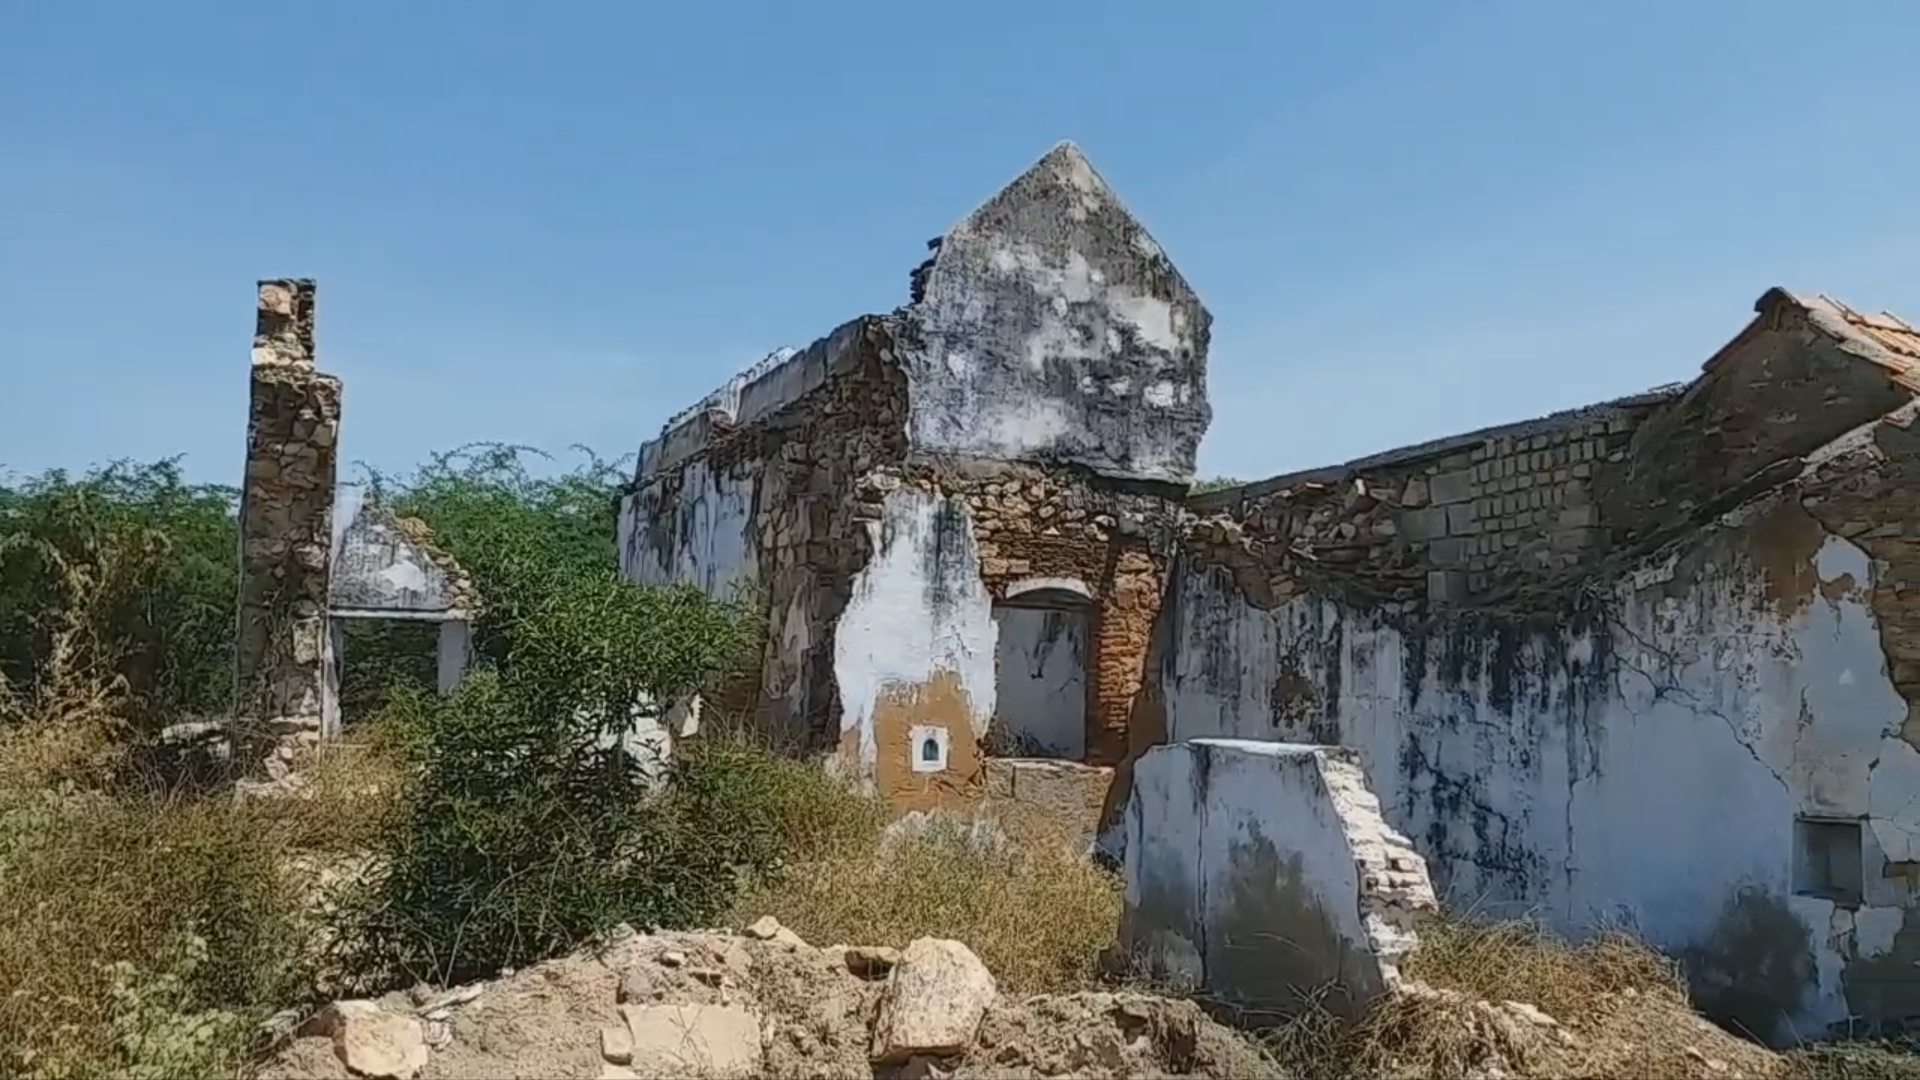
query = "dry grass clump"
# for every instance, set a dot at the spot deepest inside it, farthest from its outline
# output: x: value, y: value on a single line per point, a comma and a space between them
x: 148, y: 926
x: 141, y: 926
x: 1509, y: 999
x: 1010, y: 884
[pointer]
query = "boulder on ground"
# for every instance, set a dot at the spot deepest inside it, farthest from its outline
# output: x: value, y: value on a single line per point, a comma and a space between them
x: 933, y: 1002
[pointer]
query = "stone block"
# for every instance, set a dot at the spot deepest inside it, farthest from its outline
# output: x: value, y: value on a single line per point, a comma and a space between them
x: 1446, y: 587
x: 1422, y: 525
x: 1451, y: 487
x: 1578, y: 517
x: 1448, y: 552
x: 718, y: 1041
x: 1460, y: 519
x: 935, y: 998
x: 1264, y: 872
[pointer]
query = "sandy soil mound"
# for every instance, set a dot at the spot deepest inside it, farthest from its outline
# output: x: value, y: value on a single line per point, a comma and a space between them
x: 764, y: 1004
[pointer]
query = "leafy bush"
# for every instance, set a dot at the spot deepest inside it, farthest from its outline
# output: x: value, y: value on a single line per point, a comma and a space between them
x: 146, y: 560
x: 520, y: 536
x: 526, y: 830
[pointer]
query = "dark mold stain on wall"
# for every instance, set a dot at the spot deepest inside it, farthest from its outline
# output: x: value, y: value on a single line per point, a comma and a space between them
x: 948, y: 559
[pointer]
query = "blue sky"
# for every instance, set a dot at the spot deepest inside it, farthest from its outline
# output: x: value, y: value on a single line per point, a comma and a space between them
x: 559, y: 223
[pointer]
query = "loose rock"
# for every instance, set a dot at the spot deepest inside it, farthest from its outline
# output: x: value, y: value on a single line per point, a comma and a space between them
x: 933, y: 1002
x: 710, y: 1041
x: 372, y: 1042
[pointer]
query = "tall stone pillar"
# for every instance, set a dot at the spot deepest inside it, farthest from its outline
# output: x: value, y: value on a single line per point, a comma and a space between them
x: 286, y: 533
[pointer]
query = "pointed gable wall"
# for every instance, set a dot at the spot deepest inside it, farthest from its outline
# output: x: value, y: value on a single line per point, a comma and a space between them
x: 1051, y: 328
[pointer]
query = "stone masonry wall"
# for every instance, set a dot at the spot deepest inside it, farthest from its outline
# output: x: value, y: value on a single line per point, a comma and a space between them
x: 1115, y: 540
x: 1025, y: 424
x: 1448, y: 523
x: 286, y: 528
x: 1734, y: 599
x: 1803, y: 371
x: 774, y: 506
x: 797, y: 504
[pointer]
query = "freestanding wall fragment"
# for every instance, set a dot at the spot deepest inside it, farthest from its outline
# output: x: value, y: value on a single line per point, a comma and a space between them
x: 286, y: 532
x: 1264, y: 873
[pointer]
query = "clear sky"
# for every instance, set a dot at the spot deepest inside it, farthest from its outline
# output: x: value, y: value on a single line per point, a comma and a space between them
x: 559, y: 223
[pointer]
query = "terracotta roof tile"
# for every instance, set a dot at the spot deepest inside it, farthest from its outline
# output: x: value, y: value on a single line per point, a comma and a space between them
x: 1886, y: 339
x: 1888, y: 330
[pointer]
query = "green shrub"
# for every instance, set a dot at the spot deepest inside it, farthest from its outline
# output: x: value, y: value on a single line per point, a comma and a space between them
x: 519, y: 535
x: 146, y: 560
x: 525, y: 830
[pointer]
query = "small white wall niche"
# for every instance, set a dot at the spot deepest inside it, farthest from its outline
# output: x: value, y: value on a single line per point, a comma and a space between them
x: 928, y: 744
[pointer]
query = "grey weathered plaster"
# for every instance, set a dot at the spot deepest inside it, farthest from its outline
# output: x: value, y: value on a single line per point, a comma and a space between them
x: 378, y: 568
x: 1053, y: 328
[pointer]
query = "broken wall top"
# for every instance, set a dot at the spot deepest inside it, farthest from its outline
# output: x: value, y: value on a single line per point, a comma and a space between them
x: 1887, y: 346
x: 283, y: 323
x: 1048, y: 327
x: 1532, y: 504
x: 773, y: 385
x: 388, y: 566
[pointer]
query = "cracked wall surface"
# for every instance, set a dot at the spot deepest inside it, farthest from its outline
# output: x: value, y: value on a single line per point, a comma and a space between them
x: 1264, y: 873
x: 286, y: 530
x: 1024, y: 428
x: 1658, y: 732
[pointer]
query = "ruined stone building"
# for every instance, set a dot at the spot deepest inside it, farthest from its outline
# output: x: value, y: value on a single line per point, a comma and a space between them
x: 962, y: 510
x: 1646, y: 663
x: 1650, y: 663
x: 301, y: 578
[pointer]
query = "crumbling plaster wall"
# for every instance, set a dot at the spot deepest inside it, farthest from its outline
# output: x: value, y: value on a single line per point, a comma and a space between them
x: 1028, y: 421
x: 1050, y: 327
x: 757, y: 494
x: 878, y: 570
x: 1638, y: 750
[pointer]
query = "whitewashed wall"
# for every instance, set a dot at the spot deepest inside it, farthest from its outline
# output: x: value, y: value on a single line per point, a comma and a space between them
x: 919, y: 612
x: 1644, y: 770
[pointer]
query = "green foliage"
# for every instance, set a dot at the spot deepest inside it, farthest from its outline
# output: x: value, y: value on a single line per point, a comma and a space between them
x: 159, y: 1032
x: 526, y: 830
x: 149, y: 564
x: 519, y: 535
x: 514, y: 829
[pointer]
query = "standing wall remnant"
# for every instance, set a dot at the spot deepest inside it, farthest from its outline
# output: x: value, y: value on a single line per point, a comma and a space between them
x: 286, y: 531
x: 1265, y: 873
